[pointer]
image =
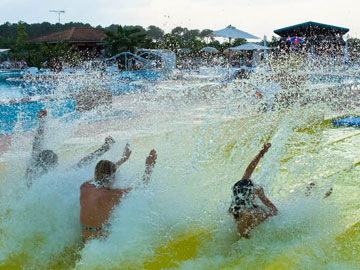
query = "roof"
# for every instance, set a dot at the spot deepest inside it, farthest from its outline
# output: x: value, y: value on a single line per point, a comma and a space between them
x: 311, y: 29
x: 74, y: 34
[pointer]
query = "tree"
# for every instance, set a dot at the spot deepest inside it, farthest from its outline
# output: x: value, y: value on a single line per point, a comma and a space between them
x: 216, y: 44
x: 195, y: 45
x: 274, y: 42
x: 191, y: 34
x: 21, y: 38
x: 179, y: 31
x: 124, y: 39
x: 206, y: 33
x: 58, y: 54
x: 155, y: 32
x: 171, y: 42
x: 238, y: 42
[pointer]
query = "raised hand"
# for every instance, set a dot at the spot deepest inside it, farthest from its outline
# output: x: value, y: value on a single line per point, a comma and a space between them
x: 109, y: 140
x: 127, y: 152
x: 266, y: 147
x: 41, y: 114
x: 151, y: 159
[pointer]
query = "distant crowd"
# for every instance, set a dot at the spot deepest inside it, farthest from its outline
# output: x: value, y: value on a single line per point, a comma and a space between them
x: 21, y: 64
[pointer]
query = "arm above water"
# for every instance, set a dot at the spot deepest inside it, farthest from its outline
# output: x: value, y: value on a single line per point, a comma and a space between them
x: 273, y: 210
x: 149, y: 166
x: 37, y: 146
x: 250, y: 169
x: 39, y: 135
x: 97, y: 153
x: 125, y: 157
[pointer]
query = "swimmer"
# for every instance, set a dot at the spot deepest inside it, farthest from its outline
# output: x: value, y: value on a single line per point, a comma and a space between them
x: 98, y: 198
x: 43, y: 161
x: 246, y: 212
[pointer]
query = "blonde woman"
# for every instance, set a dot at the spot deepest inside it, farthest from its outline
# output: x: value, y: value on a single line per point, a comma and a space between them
x: 98, y: 198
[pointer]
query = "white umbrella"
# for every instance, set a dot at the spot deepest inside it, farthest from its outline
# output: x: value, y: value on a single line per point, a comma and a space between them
x: 232, y: 32
x: 249, y: 47
x: 209, y: 50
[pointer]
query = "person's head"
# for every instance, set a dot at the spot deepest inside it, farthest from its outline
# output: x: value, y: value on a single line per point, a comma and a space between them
x: 244, y: 189
x: 105, y: 172
x: 243, y: 196
x: 46, y: 160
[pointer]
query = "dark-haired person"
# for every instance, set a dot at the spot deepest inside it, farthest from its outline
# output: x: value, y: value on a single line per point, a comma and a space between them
x: 246, y: 212
x: 98, y: 198
x: 44, y: 160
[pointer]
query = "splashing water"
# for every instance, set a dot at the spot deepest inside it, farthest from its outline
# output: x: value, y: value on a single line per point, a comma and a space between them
x: 205, y: 133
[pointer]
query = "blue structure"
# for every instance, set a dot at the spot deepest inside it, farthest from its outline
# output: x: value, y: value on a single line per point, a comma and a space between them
x: 347, y: 121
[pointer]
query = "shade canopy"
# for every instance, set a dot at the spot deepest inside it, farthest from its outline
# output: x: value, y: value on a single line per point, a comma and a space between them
x: 4, y: 50
x: 250, y: 47
x: 209, y: 50
x: 233, y: 32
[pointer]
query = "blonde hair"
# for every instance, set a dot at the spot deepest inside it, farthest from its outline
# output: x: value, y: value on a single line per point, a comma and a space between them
x: 103, y: 170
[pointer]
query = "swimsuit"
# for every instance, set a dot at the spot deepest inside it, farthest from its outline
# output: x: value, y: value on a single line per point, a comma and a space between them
x: 94, y: 229
x: 238, y: 203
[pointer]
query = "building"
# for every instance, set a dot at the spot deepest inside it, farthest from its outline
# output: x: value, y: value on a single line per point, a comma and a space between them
x: 83, y: 38
x: 316, y: 38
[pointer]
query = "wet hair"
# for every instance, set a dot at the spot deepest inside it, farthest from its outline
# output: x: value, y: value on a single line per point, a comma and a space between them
x: 46, y: 160
x: 242, y: 192
x: 104, y: 169
x: 245, y: 187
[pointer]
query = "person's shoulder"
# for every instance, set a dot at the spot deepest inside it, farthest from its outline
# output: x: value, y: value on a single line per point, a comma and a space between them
x: 85, y: 184
x: 122, y: 190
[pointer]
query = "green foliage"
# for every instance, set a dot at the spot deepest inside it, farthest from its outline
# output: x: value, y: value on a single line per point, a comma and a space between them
x: 155, y: 32
x: 206, y: 34
x: 59, y: 53
x: 125, y: 39
x: 274, y: 42
x: 171, y: 42
x: 179, y: 31
x: 238, y: 42
x: 21, y: 38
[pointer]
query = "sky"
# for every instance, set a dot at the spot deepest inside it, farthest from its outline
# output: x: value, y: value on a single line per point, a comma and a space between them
x: 258, y: 17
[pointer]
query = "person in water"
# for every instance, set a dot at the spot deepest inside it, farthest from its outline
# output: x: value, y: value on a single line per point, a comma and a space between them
x: 98, y: 198
x: 44, y: 160
x: 246, y: 212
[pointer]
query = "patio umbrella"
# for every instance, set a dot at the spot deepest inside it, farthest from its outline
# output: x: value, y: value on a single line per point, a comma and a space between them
x: 209, y: 50
x: 232, y: 32
x: 251, y: 47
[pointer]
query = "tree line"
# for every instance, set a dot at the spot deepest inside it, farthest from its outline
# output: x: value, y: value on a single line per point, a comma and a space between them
x: 18, y: 37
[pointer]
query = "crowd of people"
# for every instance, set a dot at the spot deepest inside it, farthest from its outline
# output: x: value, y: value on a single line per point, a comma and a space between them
x: 98, y: 197
x: 21, y: 64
